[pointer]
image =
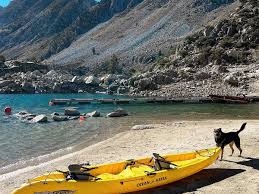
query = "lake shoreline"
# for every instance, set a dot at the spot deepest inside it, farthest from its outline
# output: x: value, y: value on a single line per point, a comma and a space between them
x: 164, y: 138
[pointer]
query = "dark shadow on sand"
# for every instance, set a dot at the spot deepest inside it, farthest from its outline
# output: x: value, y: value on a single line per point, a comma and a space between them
x: 190, y: 184
x: 250, y: 162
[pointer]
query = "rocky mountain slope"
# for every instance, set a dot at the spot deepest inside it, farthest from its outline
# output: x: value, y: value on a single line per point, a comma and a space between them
x: 222, y: 58
x: 136, y: 37
x: 37, y: 29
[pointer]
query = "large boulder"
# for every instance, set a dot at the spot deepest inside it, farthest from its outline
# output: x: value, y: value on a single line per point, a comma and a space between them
x: 110, y: 78
x: 72, y: 112
x: 27, y: 87
x: 146, y: 84
x: 118, y: 113
x: 52, y: 73
x: 113, y: 88
x: 92, y: 81
x: 59, y: 118
x: 34, y: 75
x: 232, y: 79
x: 40, y: 119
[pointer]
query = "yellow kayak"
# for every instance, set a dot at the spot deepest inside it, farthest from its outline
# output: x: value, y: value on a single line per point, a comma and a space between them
x: 121, y: 177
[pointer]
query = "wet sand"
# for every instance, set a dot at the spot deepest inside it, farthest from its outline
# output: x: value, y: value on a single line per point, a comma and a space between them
x: 232, y: 175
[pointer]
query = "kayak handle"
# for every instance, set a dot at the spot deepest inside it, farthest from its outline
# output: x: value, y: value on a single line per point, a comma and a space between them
x: 150, y: 173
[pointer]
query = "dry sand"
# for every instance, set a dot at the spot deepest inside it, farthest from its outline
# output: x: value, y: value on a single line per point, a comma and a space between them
x: 233, y: 175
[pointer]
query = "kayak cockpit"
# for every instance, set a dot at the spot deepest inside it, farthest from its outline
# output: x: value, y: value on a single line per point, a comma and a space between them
x: 126, y: 169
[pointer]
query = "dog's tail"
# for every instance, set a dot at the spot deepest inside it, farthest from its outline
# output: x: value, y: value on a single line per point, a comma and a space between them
x: 242, y: 127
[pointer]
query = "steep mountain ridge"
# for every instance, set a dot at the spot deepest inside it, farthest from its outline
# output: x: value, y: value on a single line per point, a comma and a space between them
x: 47, y: 27
x: 21, y: 9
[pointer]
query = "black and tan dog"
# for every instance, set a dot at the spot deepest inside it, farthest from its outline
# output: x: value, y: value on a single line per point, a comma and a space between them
x: 222, y: 139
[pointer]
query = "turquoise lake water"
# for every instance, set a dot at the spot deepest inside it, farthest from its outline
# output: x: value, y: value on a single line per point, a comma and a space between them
x: 22, y: 143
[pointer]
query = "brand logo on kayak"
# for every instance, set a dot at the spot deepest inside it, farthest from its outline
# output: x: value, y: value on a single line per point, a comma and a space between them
x: 56, y: 192
x: 142, y: 184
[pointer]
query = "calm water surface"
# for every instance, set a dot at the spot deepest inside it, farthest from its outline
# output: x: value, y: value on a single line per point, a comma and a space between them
x: 22, y: 143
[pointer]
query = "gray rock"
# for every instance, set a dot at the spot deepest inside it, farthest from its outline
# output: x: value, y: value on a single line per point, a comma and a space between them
x: 73, y: 118
x: 65, y: 87
x: 231, y: 80
x: 94, y: 114
x: 108, y: 79
x: 28, y: 87
x: 52, y: 73
x: 142, y: 127
x: 72, y: 112
x: 35, y: 74
x: 55, y: 114
x: 23, y: 115
x: 123, y: 82
x: 113, y: 88
x: 118, y: 113
x: 77, y: 79
x: 92, y: 81
x: 74, y: 79
x: 40, y: 119
x: 59, y: 118
x: 219, y: 69
x: 123, y: 90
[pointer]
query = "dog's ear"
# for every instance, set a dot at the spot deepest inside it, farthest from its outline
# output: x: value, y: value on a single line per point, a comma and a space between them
x: 217, y: 130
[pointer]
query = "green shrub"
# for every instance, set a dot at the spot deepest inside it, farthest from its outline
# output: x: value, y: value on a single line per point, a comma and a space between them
x: 163, y: 62
x: 2, y: 59
x: 203, y: 57
x: 227, y: 42
x: 183, y: 53
x: 216, y: 54
x: 205, y: 42
x: 190, y: 39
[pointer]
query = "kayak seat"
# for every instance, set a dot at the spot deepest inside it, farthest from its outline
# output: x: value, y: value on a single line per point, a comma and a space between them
x: 78, y: 172
x: 130, y: 171
x: 161, y: 163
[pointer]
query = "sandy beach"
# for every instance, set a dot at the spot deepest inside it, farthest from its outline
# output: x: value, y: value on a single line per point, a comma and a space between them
x: 232, y: 175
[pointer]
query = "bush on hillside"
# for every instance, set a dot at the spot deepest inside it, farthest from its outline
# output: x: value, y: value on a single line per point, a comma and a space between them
x: 205, y: 42
x: 2, y: 59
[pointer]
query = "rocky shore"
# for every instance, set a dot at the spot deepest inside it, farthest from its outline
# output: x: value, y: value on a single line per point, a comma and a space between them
x: 28, y: 77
